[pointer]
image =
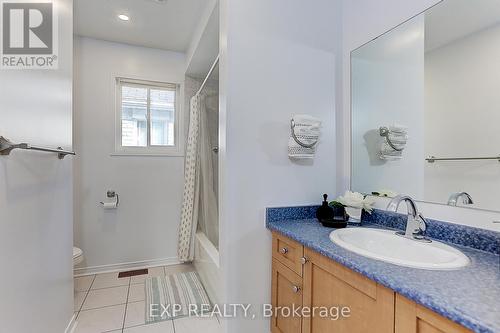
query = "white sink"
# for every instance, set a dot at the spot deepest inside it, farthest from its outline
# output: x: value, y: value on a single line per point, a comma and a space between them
x: 385, y: 245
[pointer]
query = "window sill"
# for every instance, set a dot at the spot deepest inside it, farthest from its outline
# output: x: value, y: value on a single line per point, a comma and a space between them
x: 146, y: 154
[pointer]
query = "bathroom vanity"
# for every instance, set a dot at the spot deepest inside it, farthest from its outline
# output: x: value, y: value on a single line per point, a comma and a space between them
x: 306, y: 278
x: 309, y: 270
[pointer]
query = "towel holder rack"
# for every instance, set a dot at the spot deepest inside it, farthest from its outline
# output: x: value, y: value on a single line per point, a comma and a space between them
x: 432, y: 159
x: 384, y: 132
x: 6, y: 146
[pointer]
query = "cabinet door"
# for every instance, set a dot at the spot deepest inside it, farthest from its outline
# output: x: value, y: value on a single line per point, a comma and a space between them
x: 286, y: 293
x: 329, y: 284
x: 413, y: 318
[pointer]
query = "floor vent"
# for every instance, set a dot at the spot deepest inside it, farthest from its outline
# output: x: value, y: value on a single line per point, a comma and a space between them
x: 133, y: 273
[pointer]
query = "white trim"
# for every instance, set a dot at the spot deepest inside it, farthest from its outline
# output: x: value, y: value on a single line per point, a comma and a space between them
x: 72, y: 324
x: 125, y: 266
x: 178, y: 149
x: 149, y: 83
x: 149, y: 153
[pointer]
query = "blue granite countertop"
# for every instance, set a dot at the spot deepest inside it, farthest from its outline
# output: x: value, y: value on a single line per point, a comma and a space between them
x: 469, y: 296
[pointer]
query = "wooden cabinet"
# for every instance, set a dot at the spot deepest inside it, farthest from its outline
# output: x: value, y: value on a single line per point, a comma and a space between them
x: 414, y: 318
x: 286, y: 283
x: 286, y: 293
x: 304, y: 278
x: 329, y: 284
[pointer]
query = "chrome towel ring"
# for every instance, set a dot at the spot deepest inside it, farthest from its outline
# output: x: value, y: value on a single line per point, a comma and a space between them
x: 300, y: 143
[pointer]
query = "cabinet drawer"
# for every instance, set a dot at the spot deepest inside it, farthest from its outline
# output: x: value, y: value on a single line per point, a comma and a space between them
x: 288, y: 252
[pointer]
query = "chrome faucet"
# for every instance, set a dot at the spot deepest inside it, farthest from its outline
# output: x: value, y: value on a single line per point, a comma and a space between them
x: 416, y: 224
x: 466, y: 199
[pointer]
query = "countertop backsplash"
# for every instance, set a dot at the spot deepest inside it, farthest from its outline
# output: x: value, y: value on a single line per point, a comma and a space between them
x: 480, y: 239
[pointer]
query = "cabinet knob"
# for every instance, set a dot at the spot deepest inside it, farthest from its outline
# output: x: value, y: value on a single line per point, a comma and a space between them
x: 296, y: 289
x: 304, y: 260
x: 284, y: 250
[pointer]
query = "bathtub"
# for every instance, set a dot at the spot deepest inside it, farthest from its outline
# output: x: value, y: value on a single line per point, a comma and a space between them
x: 206, y: 262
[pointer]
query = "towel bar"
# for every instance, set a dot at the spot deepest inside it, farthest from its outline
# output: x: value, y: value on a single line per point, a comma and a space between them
x: 432, y: 159
x: 6, y: 147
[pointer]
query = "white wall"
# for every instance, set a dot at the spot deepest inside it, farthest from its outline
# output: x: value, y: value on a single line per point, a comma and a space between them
x: 36, y: 284
x: 461, y: 80
x: 388, y: 88
x: 204, y: 45
x: 364, y: 20
x: 277, y: 58
x: 144, y: 227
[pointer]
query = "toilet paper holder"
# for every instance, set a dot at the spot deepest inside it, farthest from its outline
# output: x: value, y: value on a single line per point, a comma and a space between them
x: 111, y: 195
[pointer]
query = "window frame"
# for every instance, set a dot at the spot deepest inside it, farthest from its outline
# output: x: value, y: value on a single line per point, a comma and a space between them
x: 149, y: 150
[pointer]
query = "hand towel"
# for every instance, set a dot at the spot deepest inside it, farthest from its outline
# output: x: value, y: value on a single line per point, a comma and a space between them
x: 397, y: 135
x: 304, y: 136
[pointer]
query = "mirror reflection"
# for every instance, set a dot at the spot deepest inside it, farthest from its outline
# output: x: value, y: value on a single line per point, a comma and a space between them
x: 426, y: 107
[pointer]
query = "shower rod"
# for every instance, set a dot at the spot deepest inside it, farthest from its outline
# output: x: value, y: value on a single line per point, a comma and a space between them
x: 208, y: 75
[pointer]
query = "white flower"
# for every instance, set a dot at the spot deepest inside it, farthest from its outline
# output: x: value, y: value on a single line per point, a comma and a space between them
x: 387, y: 193
x: 356, y: 200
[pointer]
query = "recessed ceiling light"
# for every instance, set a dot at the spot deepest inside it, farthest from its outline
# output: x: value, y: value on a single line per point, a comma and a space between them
x: 124, y: 17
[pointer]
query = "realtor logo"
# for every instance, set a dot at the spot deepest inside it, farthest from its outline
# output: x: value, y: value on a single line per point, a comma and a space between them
x: 28, y: 34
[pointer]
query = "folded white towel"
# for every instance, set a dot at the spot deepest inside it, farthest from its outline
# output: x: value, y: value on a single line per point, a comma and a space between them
x: 389, y: 154
x: 397, y: 135
x: 304, y: 136
x: 398, y: 139
x: 396, y: 128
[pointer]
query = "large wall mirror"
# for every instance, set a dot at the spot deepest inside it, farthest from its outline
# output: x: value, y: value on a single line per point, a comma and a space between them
x: 426, y: 107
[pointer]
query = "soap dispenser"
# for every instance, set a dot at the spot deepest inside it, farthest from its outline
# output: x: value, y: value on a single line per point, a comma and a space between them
x: 325, y: 212
x: 330, y: 217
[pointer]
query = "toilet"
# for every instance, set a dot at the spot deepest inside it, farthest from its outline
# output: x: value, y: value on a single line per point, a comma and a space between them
x: 77, y: 256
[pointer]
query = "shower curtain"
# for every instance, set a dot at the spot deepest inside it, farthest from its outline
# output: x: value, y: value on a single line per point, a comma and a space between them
x: 199, y: 199
x: 208, y: 217
x: 190, y: 200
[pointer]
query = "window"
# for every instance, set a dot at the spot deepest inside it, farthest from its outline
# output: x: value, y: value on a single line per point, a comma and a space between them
x: 147, y: 117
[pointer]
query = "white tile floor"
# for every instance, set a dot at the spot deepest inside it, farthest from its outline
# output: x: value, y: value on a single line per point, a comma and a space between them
x: 106, y: 303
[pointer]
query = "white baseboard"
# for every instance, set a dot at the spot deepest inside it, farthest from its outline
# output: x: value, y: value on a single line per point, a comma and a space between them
x: 72, y: 325
x: 125, y: 266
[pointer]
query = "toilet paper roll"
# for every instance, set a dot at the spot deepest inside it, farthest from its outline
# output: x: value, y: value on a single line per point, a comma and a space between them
x: 109, y: 205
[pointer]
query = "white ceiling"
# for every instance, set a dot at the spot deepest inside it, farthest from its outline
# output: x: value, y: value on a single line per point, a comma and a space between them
x: 167, y: 25
x: 455, y: 19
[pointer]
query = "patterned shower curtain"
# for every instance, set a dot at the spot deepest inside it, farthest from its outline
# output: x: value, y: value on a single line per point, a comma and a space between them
x: 190, y: 201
